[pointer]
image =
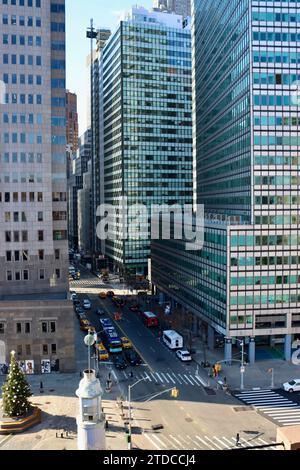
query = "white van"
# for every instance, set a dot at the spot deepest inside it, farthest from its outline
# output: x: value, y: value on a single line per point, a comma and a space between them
x: 172, y: 339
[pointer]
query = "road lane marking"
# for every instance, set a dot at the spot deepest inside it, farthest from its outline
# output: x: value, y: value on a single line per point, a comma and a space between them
x: 148, y: 378
x: 213, y: 443
x: 177, y: 378
x: 176, y: 440
x: 171, y: 378
x: 163, y: 375
x: 221, y: 442
x: 205, y: 443
x: 153, y: 443
x: 183, y: 379
x: 159, y: 441
x: 189, y: 380
x: 159, y: 377
x: 154, y: 378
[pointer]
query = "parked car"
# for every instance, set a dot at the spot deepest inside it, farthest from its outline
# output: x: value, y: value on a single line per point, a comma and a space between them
x: 87, y: 304
x: 119, y: 362
x: 184, y: 356
x: 127, y: 344
x: 102, y: 295
x: 100, y: 312
x: 132, y: 357
x: 76, y: 302
x: 110, y: 294
x: 292, y: 386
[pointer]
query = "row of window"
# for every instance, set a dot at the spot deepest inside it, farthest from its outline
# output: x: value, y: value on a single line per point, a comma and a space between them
x: 275, y: 57
x: 264, y: 78
x: 23, y: 3
x: 277, y: 160
x: 21, y: 158
x: 14, y: 98
x: 21, y: 40
x: 272, y: 120
x: 21, y: 197
x: 265, y: 261
x: 274, y: 17
x: 21, y: 20
x: 21, y: 59
x: 277, y: 200
x: 23, y: 275
x: 274, y: 100
x: 31, y: 197
x: 268, y: 140
x: 22, y: 79
x: 279, y: 298
x: 17, y: 256
x: 266, y: 240
x: 277, y: 219
x: 24, y: 138
x: 275, y: 36
x: 22, y: 236
x: 279, y: 180
x: 264, y: 280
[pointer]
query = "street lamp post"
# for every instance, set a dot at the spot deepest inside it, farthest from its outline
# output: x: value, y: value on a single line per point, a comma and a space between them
x: 130, y: 387
x: 89, y: 341
x: 242, y: 343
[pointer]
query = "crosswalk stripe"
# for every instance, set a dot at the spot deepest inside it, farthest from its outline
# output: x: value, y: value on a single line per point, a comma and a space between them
x: 163, y: 375
x: 125, y: 375
x: 159, y: 441
x: 153, y: 443
x: 188, y: 379
x: 221, y: 442
x: 205, y: 443
x: 147, y: 377
x: 274, y: 406
x: 171, y: 379
x: 159, y: 377
x: 154, y: 378
x: 178, y: 443
x: 183, y: 379
x: 202, y: 381
x: 194, y: 379
x: 216, y: 445
x: 194, y: 442
x: 177, y: 378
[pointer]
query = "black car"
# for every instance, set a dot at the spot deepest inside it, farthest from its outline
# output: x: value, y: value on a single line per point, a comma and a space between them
x: 76, y: 301
x: 100, y: 312
x: 132, y: 357
x: 119, y: 362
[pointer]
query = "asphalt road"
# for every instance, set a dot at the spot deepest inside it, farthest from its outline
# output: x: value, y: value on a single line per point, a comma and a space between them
x: 200, y: 418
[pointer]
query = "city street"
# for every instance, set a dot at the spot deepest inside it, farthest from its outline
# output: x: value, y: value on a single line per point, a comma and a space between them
x: 201, y: 418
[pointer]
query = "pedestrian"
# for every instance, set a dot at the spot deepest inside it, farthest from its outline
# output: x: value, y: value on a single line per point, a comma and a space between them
x: 109, y: 376
x: 238, y: 440
x: 106, y: 425
x: 131, y: 375
x: 225, y: 380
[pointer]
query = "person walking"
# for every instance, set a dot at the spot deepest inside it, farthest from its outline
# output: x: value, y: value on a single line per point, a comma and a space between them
x: 238, y: 440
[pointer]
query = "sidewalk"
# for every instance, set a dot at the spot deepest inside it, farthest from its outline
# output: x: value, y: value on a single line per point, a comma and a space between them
x: 257, y: 375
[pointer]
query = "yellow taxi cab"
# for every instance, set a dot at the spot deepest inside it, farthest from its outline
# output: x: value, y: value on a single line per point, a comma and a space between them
x: 84, y: 324
x: 102, y: 295
x: 102, y: 352
x: 127, y: 344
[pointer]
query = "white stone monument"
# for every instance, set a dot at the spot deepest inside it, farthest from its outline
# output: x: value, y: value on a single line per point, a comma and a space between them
x: 91, y: 420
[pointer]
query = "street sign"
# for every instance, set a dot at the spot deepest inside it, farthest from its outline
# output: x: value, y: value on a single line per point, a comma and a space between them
x: 242, y: 370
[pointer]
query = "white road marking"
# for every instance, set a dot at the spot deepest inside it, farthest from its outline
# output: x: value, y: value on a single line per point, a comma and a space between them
x: 171, y: 378
x: 205, y: 443
x: 221, y: 442
x: 163, y: 375
x: 159, y: 441
x: 216, y: 445
x: 153, y: 443
x: 182, y: 379
x: 176, y: 440
x: 159, y: 377
x: 177, y: 378
x: 192, y: 383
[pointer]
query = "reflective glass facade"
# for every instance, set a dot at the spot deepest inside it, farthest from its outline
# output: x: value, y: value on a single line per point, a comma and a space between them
x: 147, y: 105
x: 247, y: 153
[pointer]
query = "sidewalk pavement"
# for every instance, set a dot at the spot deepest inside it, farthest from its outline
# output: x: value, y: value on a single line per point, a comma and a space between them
x: 257, y: 375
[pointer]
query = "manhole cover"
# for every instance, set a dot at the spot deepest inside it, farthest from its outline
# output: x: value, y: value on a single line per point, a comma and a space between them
x: 189, y: 420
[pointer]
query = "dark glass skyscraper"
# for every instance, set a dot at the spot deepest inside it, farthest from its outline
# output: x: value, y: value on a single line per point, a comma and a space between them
x: 245, y: 281
x: 147, y: 122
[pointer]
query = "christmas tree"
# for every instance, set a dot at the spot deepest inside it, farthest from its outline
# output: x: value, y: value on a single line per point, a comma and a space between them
x: 15, y: 391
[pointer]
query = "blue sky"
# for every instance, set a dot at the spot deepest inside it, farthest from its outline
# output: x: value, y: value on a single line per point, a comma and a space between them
x: 79, y: 13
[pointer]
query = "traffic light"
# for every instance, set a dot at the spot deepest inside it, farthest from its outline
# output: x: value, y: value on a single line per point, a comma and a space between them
x: 175, y: 393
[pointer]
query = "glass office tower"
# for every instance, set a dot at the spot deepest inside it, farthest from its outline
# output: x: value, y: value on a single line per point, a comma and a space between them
x: 147, y: 122
x: 245, y: 281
